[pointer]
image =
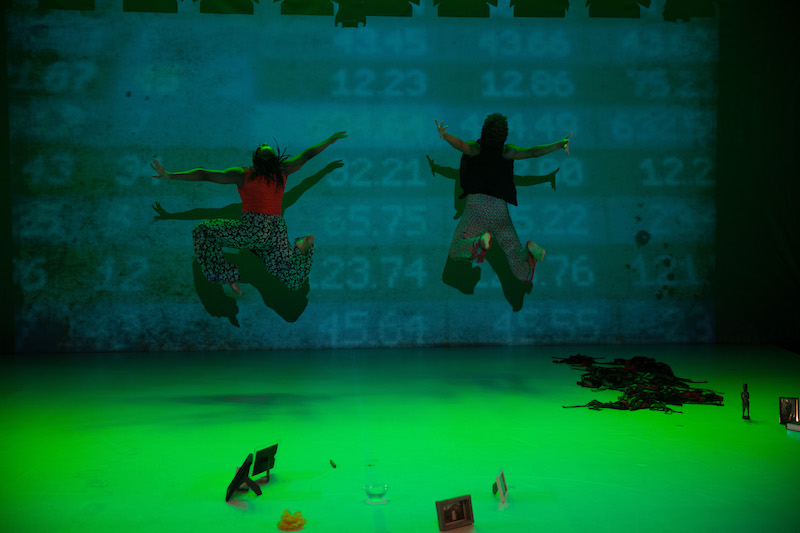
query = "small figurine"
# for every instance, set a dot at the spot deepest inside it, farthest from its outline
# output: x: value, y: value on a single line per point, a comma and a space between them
x: 291, y: 522
x: 745, y: 403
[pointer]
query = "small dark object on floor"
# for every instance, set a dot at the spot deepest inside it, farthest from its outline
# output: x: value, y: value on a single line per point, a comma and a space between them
x: 745, y: 403
x: 644, y: 382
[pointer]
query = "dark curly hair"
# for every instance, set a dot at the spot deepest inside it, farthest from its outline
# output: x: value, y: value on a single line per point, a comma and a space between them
x: 269, y: 164
x: 494, y: 131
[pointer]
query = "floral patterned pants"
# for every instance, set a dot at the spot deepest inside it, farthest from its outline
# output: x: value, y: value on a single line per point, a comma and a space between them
x: 264, y: 235
x: 484, y: 213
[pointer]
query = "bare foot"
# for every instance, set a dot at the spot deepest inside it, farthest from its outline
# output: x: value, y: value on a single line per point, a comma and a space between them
x: 536, y: 251
x: 485, y: 241
x: 304, y: 244
x: 235, y: 288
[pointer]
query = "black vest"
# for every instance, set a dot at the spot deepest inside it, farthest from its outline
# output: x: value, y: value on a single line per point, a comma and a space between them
x: 488, y: 173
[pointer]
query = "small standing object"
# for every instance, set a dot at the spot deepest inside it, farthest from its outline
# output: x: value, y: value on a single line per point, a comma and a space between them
x: 291, y: 522
x: 242, y: 477
x: 455, y: 512
x: 501, y: 487
x: 745, y: 403
x: 376, y: 493
x: 788, y: 410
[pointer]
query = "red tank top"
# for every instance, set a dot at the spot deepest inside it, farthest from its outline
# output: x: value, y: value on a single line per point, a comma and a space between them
x: 258, y: 196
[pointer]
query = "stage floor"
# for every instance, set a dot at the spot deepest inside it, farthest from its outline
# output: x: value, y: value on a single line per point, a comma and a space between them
x: 150, y: 442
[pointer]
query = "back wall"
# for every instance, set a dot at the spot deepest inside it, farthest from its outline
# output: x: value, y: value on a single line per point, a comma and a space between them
x: 103, y: 257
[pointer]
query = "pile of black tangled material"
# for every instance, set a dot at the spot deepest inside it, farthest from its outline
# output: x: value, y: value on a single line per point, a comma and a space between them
x: 644, y: 382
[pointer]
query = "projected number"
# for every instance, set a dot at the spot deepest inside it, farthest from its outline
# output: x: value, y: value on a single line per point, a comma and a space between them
x: 30, y: 273
x: 399, y: 271
x: 62, y: 76
x: 660, y: 84
x: 394, y: 328
x: 553, y: 220
x: 353, y: 328
x: 577, y: 271
x: 569, y: 220
x: 127, y: 275
x: 44, y: 221
x: 536, y: 43
x: 692, y: 220
x: 570, y: 170
x: 515, y: 84
x: 59, y: 77
x: 650, y: 83
x: 345, y: 329
x: 648, y: 42
x: 366, y: 220
x: 560, y: 271
x: 367, y: 42
x: 678, y: 324
x: 672, y: 172
x: 53, y: 169
x: 390, y: 172
x: 554, y: 126
x: 405, y: 220
x: 567, y: 321
x: 694, y: 84
x: 472, y: 124
x: 524, y: 131
x: 128, y: 172
x: 684, y: 125
x: 665, y: 271
x: 351, y: 273
x: 355, y: 273
x: 393, y: 82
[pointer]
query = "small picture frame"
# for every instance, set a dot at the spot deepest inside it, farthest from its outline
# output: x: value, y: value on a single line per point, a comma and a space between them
x: 787, y: 410
x: 242, y: 476
x: 501, y: 487
x: 455, y: 512
x: 263, y: 462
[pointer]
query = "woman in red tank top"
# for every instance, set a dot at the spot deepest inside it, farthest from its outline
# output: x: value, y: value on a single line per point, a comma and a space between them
x: 262, y: 228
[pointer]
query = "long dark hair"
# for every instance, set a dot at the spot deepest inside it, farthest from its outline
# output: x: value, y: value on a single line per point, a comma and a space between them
x: 269, y: 164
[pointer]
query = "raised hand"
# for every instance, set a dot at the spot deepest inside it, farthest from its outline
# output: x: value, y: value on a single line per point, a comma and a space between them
x: 441, y: 127
x: 566, y: 143
x: 160, y: 172
x: 336, y: 136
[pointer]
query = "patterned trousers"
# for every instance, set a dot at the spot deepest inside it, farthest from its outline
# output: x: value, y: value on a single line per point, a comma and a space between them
x: 484, y: 213
x: 264, y: 235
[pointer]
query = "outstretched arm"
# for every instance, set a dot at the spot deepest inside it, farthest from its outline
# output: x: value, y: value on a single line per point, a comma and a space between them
x: 469, y: 148
x: 232, y: 175
x: 293, y: 164
x: 513, y: 151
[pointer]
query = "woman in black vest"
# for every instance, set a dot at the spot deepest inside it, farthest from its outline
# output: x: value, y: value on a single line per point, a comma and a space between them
x: 487, y: 179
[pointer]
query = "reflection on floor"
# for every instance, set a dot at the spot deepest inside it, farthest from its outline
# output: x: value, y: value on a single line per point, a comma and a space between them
x: 150, y: 442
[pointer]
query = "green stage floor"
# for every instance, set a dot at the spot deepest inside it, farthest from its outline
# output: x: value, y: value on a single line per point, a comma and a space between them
x: 150, y: 442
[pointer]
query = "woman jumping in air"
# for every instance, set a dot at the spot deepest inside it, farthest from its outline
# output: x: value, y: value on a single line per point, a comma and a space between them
x: 262, y: 228
x: 487, y: 179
